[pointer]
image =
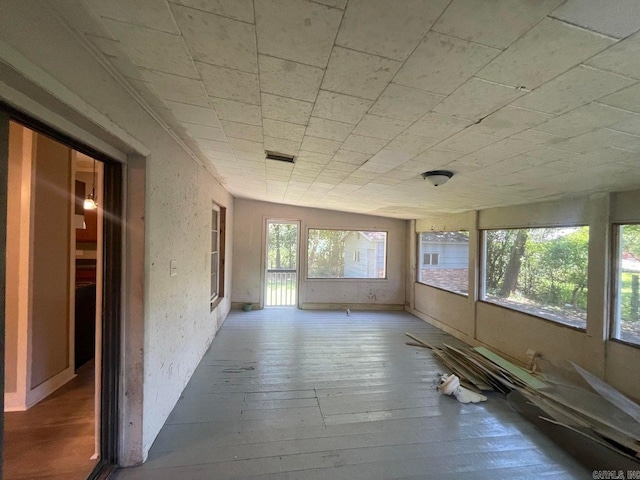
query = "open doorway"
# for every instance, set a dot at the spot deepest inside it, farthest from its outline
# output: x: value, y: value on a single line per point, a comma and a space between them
x: 53, y: 310
x: 281, y: 279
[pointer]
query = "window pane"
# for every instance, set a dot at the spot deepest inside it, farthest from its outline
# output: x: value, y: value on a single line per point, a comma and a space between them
x: 445, y: 260
x: 627, y: 324
x: 346, y: 254
x: 540, y: 271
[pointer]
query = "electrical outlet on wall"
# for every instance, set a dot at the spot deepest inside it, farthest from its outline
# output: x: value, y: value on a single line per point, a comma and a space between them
x: 173, y: 268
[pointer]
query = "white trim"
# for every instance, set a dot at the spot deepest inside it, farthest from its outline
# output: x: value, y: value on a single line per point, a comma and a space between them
x: 49, y: 386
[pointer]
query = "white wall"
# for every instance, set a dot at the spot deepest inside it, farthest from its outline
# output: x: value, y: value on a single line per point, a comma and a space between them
x: 168, y: 324
x: 249, y: 264
x: 511, y: 332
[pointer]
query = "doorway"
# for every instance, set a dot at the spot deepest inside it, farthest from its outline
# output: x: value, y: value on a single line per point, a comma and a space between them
x: 281, y: 278
x: 61, y: 316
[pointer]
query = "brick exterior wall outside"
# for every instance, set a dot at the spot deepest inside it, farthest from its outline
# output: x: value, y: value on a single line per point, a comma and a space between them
x: 452, y: 279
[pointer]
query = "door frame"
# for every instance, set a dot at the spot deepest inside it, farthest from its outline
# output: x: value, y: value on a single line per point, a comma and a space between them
x: 111, y: 321
x: 265, y: 252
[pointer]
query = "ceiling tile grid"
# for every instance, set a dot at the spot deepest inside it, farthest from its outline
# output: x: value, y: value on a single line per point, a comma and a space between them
x: 367, y: 94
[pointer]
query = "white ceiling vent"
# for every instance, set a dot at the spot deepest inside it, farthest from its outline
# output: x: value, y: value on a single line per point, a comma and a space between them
x: 280, y: 157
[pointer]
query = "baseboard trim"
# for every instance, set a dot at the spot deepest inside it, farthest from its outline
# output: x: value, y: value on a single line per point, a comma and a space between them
x: 444, y: 327
x: 49, y: 386
x: 14, y: 402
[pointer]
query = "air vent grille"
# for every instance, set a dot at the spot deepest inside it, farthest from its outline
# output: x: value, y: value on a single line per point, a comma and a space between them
x: 280, y: 157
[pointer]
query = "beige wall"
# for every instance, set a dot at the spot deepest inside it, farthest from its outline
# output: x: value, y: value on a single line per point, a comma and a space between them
x: 13, y: 257
x: 249, y: 263
x: 513, y: 333
x: 50, y: 257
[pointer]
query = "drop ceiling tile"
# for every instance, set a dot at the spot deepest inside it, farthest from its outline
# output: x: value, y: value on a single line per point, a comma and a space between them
x: 435, y: 125
x: 477, y: 22
x: 250, y: 158
x: 237, y: 9
x: 411, y: 143
x: 466, y: 142
x: 510, y: 120
x: 144, y: 13
x: 280, y: 145
x: 477, y: 98
x: 546, y: 51
x: 404, y: 103
x: 539, y: 138
x: 354, y: 158
x: 194, y: 114
x: 358, y: 74
x: 600, y: 138
x: 573, y: 89
x: 285, y: 130
x: 584, y: 119
x: 339, y: 107
x: 380, y: 127
x: 384, y: 161
x: 313, y: 26
x: 628, y: 99
x: 246, y: 145
x: 218, y: 40
x: 214, y: 145
x: 153, y: 49
x: 242, y: 130
x: 289, y: 79
x: 237, y: 111
x: 362, y: 144
x: 430, y: 160
x: 620, y: 58
x: 341, y: 4
x: 381, y: 28
x: 543, y: 156
x: 319, y: 145
x: 230, y: 84
x: 500, y: 151
x: 305, y: 156
x: 622, y: 17
x: 178, y: 89
x: 631, y: 126
x: 323, y: 128
x: 204, y: 132
x: 442, y: 63
x: 286, y: 109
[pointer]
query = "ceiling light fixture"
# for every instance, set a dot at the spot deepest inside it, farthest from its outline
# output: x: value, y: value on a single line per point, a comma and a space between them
x: 437, y: 177
x: 90, y: 201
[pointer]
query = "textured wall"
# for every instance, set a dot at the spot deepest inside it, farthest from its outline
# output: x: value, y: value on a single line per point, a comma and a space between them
x: 162, y: 348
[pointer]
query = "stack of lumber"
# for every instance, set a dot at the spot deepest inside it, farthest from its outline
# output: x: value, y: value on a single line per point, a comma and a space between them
x: 561, y: 398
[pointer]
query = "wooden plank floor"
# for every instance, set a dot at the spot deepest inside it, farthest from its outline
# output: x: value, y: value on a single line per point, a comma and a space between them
x: 292, y: 394
x: 53, y: 440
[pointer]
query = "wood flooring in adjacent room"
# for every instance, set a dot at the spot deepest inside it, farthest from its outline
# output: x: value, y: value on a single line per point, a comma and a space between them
x: 55, y: 438
x: 286, y: 394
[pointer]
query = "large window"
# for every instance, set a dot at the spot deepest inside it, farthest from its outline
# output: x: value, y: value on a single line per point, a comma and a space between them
x: 217, y: 253
x: 626, y: 325
x: 443, y: 260
x: 346, y: 254
x: 540, y: 271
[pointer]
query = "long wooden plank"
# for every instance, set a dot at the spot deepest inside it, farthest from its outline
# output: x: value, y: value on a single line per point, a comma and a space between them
x: 514, y: 370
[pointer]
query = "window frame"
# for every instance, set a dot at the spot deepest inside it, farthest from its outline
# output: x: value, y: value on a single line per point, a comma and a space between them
x: 420, y: 261
x: 307, y: 276
x: 482, y: 276
x: 615, y: 312
x: 220, y: 232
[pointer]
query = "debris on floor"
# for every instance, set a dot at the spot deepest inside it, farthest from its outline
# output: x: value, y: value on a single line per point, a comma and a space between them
x: 450, y: 385
x: 591, y: 419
